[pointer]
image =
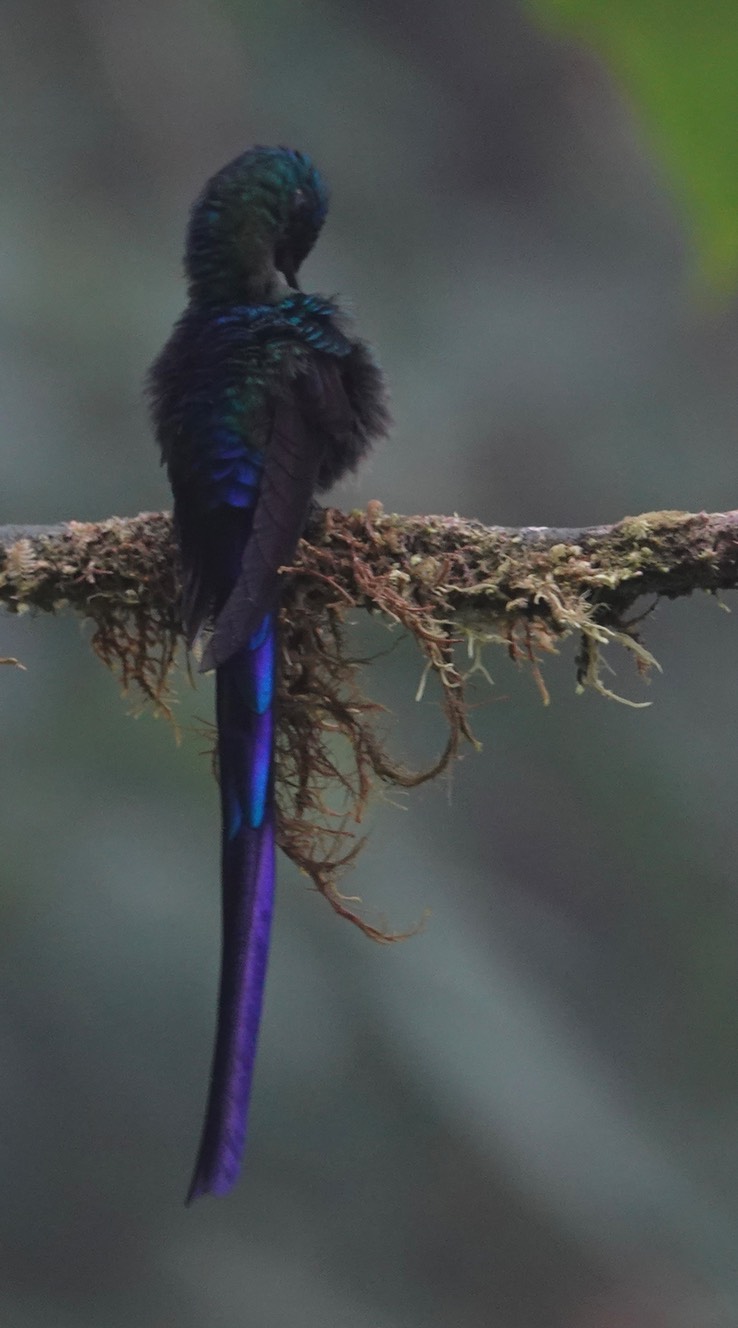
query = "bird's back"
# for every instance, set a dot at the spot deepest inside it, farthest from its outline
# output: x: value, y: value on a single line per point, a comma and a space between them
x: 215, y: 389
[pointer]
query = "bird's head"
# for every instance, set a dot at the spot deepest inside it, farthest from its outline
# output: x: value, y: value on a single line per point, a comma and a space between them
x: 252, y: 226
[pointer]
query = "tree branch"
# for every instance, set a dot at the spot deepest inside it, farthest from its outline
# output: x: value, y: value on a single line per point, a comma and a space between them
x: 479, y: 575
x: 447, y: 581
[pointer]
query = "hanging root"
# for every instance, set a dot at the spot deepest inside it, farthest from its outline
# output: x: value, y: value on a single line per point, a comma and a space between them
x: 332, y: 752
x: 332, y: 749
x: 135, y: 635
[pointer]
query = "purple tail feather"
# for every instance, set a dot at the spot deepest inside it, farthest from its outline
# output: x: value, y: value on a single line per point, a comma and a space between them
x: 245, y: 718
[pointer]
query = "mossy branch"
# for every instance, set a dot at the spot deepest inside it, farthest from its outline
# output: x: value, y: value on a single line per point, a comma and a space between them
x: 491, y: 572
x: 449, y: 582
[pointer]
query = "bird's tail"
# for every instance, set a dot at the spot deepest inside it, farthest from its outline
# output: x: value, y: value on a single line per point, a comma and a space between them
x: 245, y: 687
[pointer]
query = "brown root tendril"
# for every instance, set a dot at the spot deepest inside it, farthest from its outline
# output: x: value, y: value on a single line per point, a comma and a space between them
x: 331, y: 751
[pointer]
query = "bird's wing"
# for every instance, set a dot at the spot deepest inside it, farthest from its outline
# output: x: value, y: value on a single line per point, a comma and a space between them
x: 312, y: 412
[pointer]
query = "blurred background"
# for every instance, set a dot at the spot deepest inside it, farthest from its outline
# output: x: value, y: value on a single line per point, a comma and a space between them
x: 526, y: 1116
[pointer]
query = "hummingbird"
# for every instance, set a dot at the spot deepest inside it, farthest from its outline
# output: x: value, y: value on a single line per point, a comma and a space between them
x: 262, y: 397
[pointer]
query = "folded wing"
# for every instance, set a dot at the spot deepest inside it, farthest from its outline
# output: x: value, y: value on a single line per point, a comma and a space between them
x: 313, y: 414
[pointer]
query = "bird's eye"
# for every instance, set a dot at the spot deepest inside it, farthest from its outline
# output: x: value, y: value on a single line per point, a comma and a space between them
x: 299, y: 200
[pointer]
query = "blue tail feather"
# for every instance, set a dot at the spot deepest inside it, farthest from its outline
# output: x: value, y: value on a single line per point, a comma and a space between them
x: 245, y: 718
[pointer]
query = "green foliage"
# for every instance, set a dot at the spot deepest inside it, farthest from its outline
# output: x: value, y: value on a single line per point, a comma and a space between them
x: 679, y: 62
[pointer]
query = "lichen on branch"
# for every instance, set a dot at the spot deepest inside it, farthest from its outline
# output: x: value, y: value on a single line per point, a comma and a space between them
x: 454, y: 585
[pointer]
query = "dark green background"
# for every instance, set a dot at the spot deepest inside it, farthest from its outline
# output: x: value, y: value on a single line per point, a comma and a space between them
x: 526, y: 1117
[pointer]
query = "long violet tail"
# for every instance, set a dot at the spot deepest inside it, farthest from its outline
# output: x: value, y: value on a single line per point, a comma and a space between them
x: 245, y: 718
